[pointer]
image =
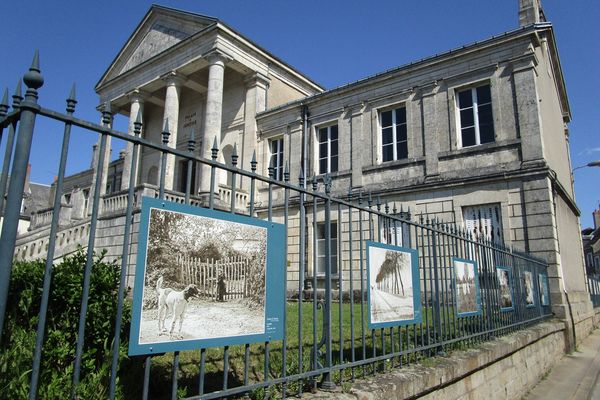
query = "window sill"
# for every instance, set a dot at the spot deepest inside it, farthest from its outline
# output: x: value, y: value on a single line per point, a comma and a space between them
x: 395, y: 164
x: 336, y: 174
x: 482, y: 148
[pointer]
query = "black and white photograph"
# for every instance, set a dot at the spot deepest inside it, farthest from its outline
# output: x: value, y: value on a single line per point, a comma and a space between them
x: 204, y: 278
x: 466, y: 289
x: 529, y: 294
x: 391, y: 285
x: 543, y: 286
x: 504, y: 278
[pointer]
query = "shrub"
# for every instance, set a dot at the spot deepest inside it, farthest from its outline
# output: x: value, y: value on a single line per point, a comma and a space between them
x: 18, y: 341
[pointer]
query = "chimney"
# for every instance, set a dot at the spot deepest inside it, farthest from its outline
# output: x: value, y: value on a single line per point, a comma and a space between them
x: 530, y: 12
x: 596, y: 215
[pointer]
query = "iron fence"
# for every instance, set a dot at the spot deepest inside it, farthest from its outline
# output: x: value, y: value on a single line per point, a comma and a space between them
x: 594, y: 289
x: 327, y: 340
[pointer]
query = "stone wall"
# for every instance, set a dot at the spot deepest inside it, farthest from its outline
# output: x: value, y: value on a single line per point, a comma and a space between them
x: 506, y: 368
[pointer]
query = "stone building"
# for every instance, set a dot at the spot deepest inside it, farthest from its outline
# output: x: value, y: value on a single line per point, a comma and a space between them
x: 476, y: 136
x: 591, y: 246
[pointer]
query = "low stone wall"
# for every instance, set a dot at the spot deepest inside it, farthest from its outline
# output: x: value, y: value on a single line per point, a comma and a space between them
x: 505, y: 368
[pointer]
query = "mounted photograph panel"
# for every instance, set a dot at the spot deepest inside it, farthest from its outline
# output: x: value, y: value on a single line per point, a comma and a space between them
x: 205, y: 278
x: 466, y: 287
x: 529, y: 289
x: 394, y: 291
x: 504, y: 275
x: 543, y: 289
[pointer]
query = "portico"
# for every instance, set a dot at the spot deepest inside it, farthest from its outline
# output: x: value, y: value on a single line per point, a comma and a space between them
x: 185, y: 72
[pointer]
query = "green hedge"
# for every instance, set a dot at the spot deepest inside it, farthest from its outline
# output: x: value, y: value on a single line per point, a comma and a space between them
x: 18, y: 339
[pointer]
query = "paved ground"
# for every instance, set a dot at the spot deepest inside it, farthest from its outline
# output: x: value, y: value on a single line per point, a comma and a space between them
x: 575, y: 377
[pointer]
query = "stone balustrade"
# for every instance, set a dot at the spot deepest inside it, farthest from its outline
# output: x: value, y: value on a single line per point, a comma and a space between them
x: 241, y: 197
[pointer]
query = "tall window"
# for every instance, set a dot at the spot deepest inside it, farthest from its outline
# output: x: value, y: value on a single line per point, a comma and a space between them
x: 321, y: 242
x: 394, y: 143
x: 276, y: 159
x: 484, y: 220
x: 328, y: 149
x: 476, y: 121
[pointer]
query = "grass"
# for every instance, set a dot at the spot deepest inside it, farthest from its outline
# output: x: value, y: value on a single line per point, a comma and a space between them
x: 343, y: 350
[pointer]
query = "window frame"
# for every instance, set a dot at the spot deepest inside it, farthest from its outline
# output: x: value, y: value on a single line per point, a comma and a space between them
x: 334, y: 249
x: 279, y: 157
x: 494, y: 207
x: 475, y: 105
x: 395, y: 142
x: 329, y: 156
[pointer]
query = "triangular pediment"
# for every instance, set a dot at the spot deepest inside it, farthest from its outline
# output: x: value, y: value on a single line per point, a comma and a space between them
x: 161, y: 29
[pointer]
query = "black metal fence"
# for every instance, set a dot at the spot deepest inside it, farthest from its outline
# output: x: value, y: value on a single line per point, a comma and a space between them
x: 327, y: 341
x: 594, y: 289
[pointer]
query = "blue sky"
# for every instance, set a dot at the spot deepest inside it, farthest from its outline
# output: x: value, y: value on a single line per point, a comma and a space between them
x: 334, y: 42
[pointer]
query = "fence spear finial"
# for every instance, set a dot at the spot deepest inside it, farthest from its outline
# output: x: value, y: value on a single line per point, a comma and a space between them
x: 253, y: 162
x: 4, y: 103
x: 234, y: 155
x: 33, y: 78
x: 214, y: 150
x: 71, y: 100
x: 17, y: 96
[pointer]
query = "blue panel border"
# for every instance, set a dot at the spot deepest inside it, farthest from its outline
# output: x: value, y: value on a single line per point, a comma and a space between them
x: 274, y: 276
x: 510, y: 286
x: 477, y: 290
x: 416, y: 282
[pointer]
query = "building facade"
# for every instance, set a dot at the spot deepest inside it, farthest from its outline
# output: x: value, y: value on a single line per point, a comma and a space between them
x: 476, y: 136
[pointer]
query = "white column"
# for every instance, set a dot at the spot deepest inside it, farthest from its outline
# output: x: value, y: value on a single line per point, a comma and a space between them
x: 256, y: 101
x: 173, y: 81
x: 97, y: 158
x: 213, y: 111
x: 137, y: 106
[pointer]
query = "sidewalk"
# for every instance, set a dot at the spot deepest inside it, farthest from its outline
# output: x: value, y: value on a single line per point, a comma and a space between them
x: 575, y: 376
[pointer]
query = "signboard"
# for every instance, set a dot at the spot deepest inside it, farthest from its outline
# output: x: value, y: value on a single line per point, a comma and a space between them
x: 529, y: 289
x: 506, y: 292
x: 205, y: 278
x: 394, y: 291
x: 466, y: 287
x: 543, y: 286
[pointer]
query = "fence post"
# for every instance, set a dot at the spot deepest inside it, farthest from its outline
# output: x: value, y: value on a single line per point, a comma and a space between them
x: 327, y: 383
x: 29, y: 107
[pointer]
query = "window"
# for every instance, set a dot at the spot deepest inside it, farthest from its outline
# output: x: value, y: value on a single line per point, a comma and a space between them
x: 484, y: 220
x: 327, y: 139
x: 321, y: 242
x: 394, y: 232
x: 183, y: 173
x: 475, y: 114
x: 276, y: 159
x: 394, y: 143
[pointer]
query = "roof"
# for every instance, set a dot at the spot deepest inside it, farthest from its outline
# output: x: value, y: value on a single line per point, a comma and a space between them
x: 545, y: 26
x: 195, y: 25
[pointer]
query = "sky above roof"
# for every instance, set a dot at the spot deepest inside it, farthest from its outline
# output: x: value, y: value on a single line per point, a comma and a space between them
x: 333, y: 42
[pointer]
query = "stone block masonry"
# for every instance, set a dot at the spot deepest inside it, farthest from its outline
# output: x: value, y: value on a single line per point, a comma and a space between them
x: 506, y: 368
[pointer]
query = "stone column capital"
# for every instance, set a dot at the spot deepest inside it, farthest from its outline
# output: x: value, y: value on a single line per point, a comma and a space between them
x: 137, y: 96
x: 257, y: 79
x: 216, y: 56
x: 174, y: 78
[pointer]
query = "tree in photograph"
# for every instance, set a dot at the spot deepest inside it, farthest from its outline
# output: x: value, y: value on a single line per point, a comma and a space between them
x: 389, y: 277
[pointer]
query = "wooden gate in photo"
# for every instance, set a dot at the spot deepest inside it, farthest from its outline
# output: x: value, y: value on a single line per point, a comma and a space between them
x: 205, y: 273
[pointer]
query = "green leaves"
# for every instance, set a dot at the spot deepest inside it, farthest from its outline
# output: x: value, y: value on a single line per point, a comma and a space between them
x: 25, y: 293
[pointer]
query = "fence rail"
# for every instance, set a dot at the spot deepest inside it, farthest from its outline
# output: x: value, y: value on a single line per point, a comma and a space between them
x: 327, y: 338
